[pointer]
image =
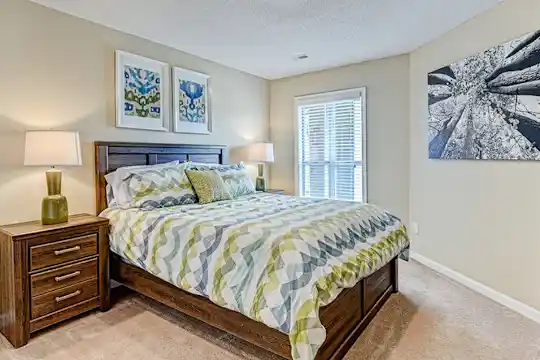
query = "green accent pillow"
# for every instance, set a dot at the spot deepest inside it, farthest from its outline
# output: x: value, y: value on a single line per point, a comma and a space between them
x: 208, y: 185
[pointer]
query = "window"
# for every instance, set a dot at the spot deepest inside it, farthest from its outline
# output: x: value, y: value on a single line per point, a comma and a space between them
x: 331, y: 145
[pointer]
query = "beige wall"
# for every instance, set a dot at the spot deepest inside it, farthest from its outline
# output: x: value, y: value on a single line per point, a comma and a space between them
x: 387, y: 83
x: 57, y: 71
x: 481, y: 218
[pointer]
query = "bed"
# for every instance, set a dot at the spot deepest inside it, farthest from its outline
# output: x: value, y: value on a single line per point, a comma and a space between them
x: 343, y: 314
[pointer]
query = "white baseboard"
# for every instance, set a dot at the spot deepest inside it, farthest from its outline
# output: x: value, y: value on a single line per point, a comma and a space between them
x: 494, y: 295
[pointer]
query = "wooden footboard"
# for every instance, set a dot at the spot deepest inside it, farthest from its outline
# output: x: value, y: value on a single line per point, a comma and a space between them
x: 344, y: 319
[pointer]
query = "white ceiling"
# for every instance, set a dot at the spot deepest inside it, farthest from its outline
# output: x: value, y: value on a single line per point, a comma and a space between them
x: 262, y: 37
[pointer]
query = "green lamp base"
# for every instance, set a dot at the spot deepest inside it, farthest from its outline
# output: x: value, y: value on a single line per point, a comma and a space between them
x: 260, y: 184
x: 54, y: 207
x: 54, y: 210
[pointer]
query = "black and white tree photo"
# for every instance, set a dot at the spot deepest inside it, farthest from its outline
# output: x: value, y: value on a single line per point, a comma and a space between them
x: 487, y: 106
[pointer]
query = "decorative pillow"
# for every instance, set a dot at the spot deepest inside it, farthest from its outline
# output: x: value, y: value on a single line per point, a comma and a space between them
x: 118, y: 186
x: 159, y: 187
x: 235, y: 176
x: 208, y: 185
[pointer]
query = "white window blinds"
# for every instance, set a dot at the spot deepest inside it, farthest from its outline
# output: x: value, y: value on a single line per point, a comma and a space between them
x: 331, y: 142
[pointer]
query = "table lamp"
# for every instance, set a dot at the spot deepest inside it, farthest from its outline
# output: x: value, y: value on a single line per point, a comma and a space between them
x: 261, y: 153
x: 53, y: 148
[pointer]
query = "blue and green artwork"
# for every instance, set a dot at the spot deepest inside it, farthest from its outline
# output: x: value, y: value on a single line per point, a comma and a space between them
x: 142, y: 93
x: 192, y: 102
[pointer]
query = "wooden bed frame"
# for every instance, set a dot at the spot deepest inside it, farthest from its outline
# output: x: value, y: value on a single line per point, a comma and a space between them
x: 344, y: 319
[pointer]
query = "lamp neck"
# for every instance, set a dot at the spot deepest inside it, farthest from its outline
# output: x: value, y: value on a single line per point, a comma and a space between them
x: 54, y: 181
x: 261, y: 169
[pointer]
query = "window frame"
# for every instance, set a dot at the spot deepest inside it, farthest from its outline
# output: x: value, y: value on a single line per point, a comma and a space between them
x: 328, y: 97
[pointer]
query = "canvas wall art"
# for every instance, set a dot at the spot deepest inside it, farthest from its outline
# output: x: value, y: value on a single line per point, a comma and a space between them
x: 142, y: 94
x: 487, y: 106
x: 191, y: 102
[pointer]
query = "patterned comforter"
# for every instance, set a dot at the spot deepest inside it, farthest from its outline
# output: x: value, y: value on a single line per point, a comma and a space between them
x: 274, y: 258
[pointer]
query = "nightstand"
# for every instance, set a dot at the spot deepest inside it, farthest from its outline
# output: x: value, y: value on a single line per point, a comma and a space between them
x: 275, y: 191
x: 50, y: 273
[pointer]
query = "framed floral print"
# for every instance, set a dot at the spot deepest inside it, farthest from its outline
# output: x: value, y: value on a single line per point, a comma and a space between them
x: 191, y: 109
x: 142, y: 92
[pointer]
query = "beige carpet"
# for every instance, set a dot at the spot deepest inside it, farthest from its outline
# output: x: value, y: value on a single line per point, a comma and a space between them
x: 432, y: 318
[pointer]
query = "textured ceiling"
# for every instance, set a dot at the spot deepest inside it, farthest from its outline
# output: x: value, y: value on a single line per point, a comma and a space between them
x: 262, y: 37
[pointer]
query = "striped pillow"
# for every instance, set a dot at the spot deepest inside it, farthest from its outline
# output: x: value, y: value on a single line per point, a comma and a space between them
x: 236, y: 177
x: 162, y: 187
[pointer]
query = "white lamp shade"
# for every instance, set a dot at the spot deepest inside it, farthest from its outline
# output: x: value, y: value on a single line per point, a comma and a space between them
x: 52, y: 148
x: 261, y: 152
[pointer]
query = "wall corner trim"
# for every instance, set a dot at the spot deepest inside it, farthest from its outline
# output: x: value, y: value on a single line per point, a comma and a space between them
x: 505, y: 300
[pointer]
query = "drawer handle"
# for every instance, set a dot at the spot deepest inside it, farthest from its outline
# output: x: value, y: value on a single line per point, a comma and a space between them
x: 68, y: 250
x: 68, y: 296
x: 67, y: 276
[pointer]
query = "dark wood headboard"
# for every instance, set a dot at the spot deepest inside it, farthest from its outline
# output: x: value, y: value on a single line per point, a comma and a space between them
x: 112, y: 155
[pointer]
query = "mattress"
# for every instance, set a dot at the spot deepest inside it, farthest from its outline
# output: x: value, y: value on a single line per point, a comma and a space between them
x: 274, y: 258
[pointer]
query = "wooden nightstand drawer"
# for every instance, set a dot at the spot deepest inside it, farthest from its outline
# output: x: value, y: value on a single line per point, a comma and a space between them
x: 60, y: 252
x: 63, y: 314
x: 65, y: 276
x: 64, y: 297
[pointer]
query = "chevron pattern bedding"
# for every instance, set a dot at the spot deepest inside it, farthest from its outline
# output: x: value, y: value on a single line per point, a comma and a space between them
x: 276, y: 259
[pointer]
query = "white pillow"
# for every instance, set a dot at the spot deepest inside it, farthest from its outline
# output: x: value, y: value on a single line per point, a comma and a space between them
x: 111, y: 201
x: 115, y: 179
